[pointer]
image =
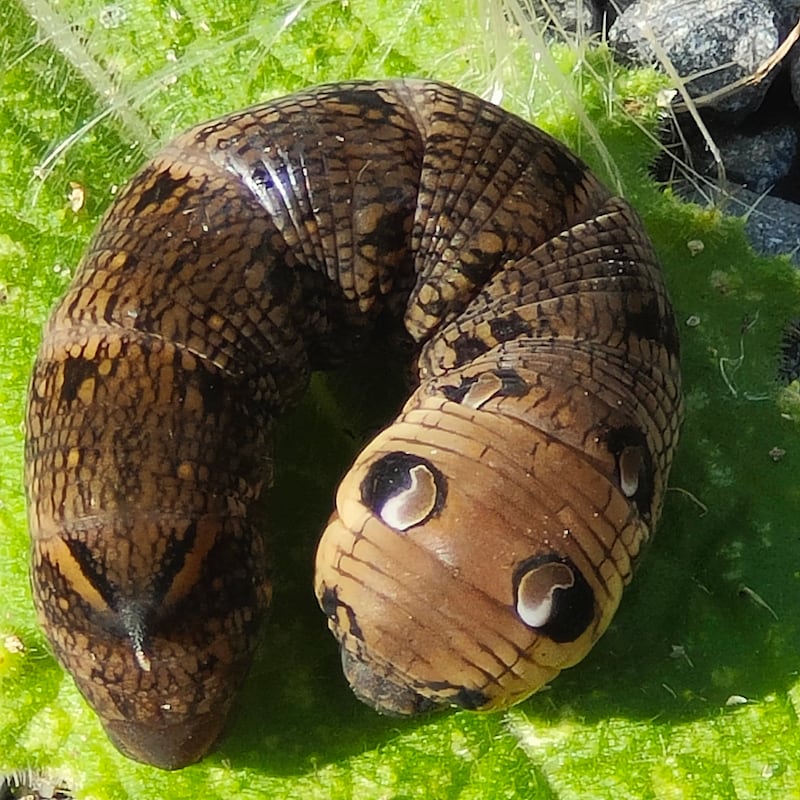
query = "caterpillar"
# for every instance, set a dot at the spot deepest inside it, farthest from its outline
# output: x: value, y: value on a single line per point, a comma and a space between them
x: 481, y: 542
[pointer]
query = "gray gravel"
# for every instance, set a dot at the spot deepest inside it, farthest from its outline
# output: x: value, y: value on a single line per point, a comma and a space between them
x: 712, y: 44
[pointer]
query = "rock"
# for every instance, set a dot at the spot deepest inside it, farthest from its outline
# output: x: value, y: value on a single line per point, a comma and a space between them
x: 772, y: 225
x: 711, y: 43
x: 789, y: 14
x: 566, y: 15
x: 756, y: 161
x: 794, y: 74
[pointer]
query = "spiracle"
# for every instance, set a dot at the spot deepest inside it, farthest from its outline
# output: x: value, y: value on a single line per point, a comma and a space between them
x: 481, y: 542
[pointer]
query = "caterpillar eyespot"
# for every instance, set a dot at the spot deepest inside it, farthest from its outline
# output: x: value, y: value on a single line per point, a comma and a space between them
x: 481, y: 542
x: 554, y: 598
x: 403, y: 490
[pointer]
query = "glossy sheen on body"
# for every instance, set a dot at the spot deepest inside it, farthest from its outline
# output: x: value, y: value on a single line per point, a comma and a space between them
x: 481, y: 542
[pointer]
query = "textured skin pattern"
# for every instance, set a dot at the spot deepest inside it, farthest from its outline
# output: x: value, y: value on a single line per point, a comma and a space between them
x: 482, y: 541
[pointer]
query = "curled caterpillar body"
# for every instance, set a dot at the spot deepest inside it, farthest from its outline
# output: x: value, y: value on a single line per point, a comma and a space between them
x: 481, y: 542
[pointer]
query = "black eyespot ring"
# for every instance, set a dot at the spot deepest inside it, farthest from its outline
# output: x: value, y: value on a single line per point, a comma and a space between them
x: 635, y: 470
x: 404, y: 490
x: 552, y: 597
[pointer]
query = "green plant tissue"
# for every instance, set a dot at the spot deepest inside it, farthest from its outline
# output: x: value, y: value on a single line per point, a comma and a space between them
x: 694, y: 690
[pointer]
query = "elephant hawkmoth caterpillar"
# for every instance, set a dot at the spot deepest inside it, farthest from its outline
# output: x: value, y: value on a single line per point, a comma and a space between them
x: 481, y: 542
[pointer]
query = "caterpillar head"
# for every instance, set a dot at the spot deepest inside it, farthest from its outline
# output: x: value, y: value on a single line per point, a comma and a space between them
x: 459, y: 571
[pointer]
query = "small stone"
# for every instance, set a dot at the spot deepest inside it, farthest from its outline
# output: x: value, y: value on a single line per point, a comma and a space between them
x: 777, y: 453
x: 788, y: 12
x: 719, y: 41
x: 756, y: 161
x: 736, y: 700
x: 564, y: 16
x: 772, y: 225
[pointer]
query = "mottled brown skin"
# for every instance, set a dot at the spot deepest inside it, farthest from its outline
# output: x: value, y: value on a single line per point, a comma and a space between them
x: 518, y: 483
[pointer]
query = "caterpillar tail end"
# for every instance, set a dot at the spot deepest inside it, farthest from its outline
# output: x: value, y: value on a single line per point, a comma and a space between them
x: 167, y: 747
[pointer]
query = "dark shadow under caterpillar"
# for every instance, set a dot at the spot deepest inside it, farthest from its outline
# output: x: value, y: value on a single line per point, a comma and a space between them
x: 481, y: 542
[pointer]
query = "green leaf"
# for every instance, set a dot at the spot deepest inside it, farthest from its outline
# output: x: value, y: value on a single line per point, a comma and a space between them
x: 694, y: 690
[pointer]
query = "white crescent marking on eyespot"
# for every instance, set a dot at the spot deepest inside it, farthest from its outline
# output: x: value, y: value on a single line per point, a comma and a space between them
x: 412, y: 505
